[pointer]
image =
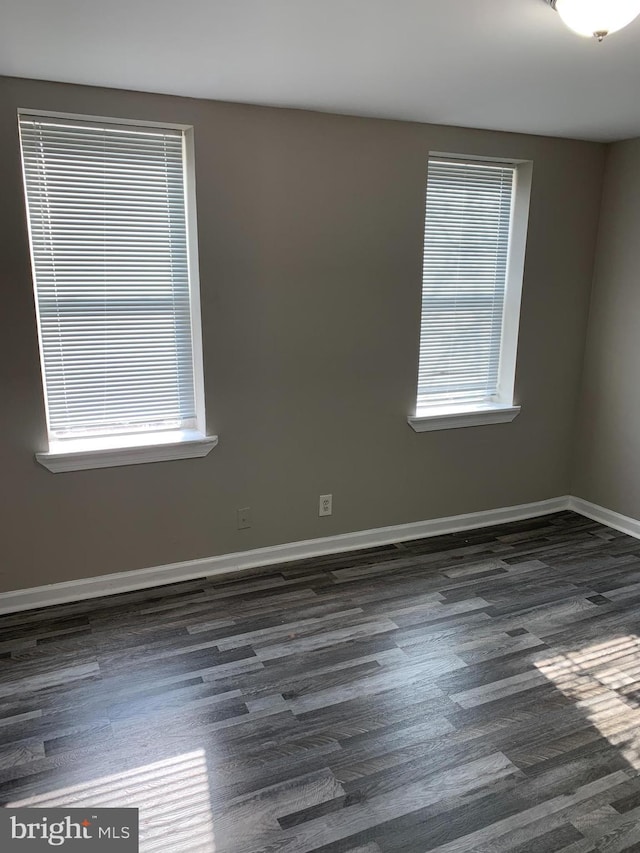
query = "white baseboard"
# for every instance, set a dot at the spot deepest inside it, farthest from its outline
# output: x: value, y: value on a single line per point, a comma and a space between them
x: 628, y: 525
x: 78, y: 590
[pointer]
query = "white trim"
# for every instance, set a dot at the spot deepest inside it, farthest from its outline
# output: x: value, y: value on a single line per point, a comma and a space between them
x: 102, y: 119
x: 477, y: 158
x: 197, y: 352
x: 85, y: 588
x: 521, y: 203
x: 33, y: 278
x: 113, y: 451
x: 630, y: 526
x: 456, y: 418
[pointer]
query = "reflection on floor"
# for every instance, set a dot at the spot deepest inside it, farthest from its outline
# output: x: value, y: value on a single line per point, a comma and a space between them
x: 473, y: 692
x: 602, y: 680
x: 172, y: 797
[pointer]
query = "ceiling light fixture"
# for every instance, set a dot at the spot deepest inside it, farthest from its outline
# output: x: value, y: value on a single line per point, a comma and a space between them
x: 596, y: 17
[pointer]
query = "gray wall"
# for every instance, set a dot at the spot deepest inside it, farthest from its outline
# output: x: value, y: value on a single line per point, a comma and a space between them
x: 310, y: 230
x: 607, y: 459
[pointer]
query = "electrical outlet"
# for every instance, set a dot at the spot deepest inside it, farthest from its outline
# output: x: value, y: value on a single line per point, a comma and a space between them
x: 326, y: 505
x: 244, y: 518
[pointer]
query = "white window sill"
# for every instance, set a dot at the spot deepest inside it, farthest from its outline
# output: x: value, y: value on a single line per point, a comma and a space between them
x: 113, y: 451
x: 454, y: 417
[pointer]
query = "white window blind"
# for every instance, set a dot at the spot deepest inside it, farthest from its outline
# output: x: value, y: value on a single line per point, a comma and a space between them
x: 466, y: 251
x: 108, y: 229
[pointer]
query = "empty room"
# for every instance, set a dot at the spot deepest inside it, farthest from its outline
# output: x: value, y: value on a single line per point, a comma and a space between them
x: 320, y: 426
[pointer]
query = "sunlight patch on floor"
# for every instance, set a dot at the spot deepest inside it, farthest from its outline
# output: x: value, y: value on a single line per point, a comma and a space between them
x: 172, y: 796
x: 603, y: 680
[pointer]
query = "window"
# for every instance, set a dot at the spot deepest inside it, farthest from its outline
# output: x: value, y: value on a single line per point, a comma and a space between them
x: 475, y: 233
x: 112, y: 231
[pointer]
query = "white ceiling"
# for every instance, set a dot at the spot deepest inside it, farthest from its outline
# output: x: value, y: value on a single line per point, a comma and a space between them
x: 501, y: 64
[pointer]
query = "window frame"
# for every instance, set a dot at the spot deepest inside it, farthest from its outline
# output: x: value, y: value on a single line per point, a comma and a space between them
x: 504, y: 408
x: 117, y: 449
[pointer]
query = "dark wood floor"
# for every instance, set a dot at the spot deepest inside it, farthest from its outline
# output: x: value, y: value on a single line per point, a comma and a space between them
x: 473, y: 692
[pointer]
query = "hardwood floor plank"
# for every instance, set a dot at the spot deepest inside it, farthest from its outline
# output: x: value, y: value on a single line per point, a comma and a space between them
x: 477, y: 692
